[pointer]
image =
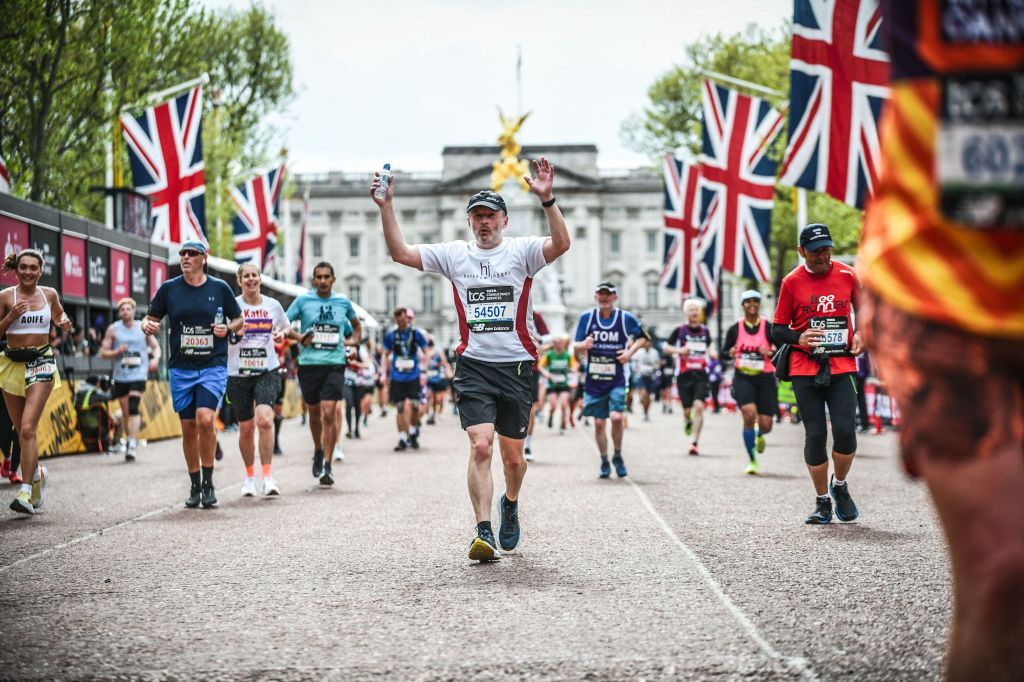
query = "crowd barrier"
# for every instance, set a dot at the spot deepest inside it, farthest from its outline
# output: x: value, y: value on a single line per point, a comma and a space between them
x: 58, y: 432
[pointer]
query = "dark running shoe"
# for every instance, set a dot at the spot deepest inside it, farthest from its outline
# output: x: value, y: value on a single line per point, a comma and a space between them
x: 193, y: 497
x: 508, y: 531
x: 606, y: 469
x: 207, y: 497
x: 327, y: 478
x: 402, y: 445
x: 219, y: 454
x: 846, y: 509
x: 822, y: 512
x: 484, y: 548
x: 318, y: 463
x: 620, y: 467
x: 414, y: 441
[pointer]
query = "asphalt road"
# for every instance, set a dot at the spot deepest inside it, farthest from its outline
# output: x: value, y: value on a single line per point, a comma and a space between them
x: 687, y: 569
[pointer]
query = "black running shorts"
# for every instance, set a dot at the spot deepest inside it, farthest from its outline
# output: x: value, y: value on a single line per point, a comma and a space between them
x: 123, y: 388
x: 400, y: 391
x: 760, y: 389
x: 499, y: 393
x: 322, y: 382
x: 245, y: 393
x: 692, y: 385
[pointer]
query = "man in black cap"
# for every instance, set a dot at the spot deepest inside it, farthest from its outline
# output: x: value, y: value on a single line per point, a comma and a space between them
x: 493, y: 383
x: 815, y: 316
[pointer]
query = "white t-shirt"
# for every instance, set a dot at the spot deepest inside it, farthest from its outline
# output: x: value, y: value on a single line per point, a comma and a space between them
x: 493, y: 287
x: 255, y: 353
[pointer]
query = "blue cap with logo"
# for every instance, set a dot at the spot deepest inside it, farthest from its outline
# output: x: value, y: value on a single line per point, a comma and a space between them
x: 815, y: 236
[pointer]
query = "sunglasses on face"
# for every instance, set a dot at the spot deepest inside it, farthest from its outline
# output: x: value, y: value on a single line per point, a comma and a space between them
x: 189, y: 253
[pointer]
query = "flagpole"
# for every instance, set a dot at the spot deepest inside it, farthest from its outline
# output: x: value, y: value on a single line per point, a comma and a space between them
x: 740, y: 82
x: 154, y: 97
x: 519, y: 80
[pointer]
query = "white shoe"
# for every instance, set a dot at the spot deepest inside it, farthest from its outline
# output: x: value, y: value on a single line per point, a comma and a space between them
x: 39, y: 488
x: 249, y: 487
x: 338, y: 455
x: 270, y: 488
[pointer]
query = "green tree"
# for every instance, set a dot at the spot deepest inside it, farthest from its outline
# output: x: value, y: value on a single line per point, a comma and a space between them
x: 672, y: 123
x: 68, y: 67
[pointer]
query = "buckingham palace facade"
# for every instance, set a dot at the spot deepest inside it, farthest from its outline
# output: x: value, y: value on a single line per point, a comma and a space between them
x: 614, y: 219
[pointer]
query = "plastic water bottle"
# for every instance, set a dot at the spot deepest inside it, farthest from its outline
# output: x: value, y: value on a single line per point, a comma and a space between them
x: 219, y: 317
x: 385, y: 181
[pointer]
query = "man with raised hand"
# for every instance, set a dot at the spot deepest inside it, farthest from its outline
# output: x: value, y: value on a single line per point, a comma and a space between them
x: 491, y: 276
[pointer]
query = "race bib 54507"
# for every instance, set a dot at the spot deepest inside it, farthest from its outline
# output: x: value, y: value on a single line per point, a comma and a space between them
x: 490, y: 309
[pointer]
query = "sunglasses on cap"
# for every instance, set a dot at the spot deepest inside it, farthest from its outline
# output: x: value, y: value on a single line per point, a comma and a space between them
x: 190, y: 253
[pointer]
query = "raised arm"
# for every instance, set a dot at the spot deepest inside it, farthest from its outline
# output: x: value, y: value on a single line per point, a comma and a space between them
x: 400, y: 250
x: 543, y: 186
x: 57, y: 313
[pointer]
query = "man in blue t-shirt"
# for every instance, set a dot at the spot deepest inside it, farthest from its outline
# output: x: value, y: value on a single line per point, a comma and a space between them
x: 403, y: 347
x: 201, y: 310
x: 608, y: 337
x: 327, y: 319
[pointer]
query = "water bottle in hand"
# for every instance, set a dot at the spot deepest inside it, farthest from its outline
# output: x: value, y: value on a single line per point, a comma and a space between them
x: 385, y: 181
x: 219, y: 317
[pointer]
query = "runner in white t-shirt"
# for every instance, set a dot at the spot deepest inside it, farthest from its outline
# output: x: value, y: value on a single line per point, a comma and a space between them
x: 253, y: 379
x: 493, y: 385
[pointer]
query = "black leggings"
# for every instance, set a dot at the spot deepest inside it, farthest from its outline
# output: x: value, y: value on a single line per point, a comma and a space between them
x: 9, y: 443
x: 353, y: 411
x: 841, y: 397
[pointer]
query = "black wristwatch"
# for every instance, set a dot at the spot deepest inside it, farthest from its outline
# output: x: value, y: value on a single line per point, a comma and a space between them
x: 549, y: 203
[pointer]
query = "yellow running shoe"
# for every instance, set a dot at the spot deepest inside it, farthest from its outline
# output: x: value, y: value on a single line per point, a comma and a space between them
x: 39, y: 488
x: 751, y: 468
x: 22, y: 503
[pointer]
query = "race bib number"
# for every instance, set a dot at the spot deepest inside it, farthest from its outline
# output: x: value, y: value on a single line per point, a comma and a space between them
x: 750, y: 362
x: 131, y: 360
x: 837, y: 334
x: 696, y: 347
x: 252, y: 361
x: 326, y: 336
x: 40, y: 370
x: 980, y: 150
x: 196, y: 340
x: 602, y: 368
x: 490, y: 309
x: 559, y: 378
x: 433, y: 374
x: 404, y: 365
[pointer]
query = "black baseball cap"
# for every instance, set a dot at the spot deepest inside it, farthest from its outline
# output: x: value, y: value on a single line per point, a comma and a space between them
x: 815, y: 236
x: 606, y: 286
x: 487, y: 198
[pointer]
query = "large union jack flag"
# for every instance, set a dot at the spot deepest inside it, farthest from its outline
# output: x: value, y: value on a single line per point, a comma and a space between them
x: 257, y: 211
x: 838, y: 75
x: 739, y: 176
x: 5, y: 178
x: 689, y: 267
x: 165, y: 146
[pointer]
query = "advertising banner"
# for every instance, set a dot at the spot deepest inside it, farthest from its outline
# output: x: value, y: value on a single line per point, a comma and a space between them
x: 140, y: 280
x: 14, y: 237
x: 157, y: 275
x: 72, y: 256
x: 120, y: 274
x: 99, y: 271
x: 47, y: 242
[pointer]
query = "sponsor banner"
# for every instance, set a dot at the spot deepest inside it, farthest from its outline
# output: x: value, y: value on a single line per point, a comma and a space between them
x: 120, y: 273
x: 57, y: 433
x: 47, y: 242
x: 159, y: 420
x: 99, y: 270
x: 72, y: 256
x: 14, y: 237
x: 292, y: 406
x: 157, y: 275
x: 140, y: 280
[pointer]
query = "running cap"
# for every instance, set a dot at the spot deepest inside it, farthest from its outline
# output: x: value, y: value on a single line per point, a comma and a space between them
x: 195, y: 245
x: 815, y: 236
x: 606, y: 286
x: 749, y: 294
x: 487, y: 198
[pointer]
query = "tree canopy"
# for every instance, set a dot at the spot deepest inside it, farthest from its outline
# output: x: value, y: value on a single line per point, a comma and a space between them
x: 672, y: 121
x: 69, y: 67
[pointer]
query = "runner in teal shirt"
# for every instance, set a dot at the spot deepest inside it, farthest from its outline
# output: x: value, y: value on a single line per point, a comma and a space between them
x: 327, y: 320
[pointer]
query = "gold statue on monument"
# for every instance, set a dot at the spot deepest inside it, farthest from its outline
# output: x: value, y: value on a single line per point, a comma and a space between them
x: 510, y: 166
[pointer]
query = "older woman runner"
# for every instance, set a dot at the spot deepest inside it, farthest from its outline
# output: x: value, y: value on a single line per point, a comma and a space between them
x: 253, y: 380
x: 28, y: 370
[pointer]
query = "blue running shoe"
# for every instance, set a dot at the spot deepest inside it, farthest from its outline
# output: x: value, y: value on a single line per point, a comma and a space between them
x: 508, y: 531
x: 483, y: 548
x: 620, y: 466
x: 606, y: 469
x: 846, y: 509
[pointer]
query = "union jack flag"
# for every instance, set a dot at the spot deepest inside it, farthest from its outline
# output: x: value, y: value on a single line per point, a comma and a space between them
x: 739, y: 176
x: 257, y: 210
x: 838, y: 74
x: 686, y: 268
x: 5, y: 178
x: 165, y: 146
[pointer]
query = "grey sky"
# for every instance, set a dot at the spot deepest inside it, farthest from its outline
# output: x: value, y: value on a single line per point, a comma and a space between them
x: 397, y: 81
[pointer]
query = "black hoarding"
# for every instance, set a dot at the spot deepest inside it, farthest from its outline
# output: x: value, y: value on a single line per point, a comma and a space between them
x: 47, y: 242
x: 140, y: 280
x: 98, y: 276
